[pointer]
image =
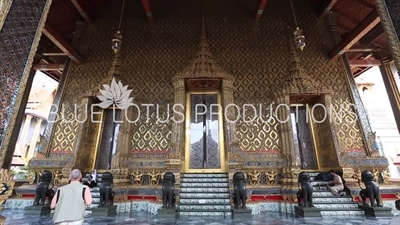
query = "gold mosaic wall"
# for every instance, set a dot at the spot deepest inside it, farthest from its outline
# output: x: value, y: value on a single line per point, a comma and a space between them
x: 257, y: 55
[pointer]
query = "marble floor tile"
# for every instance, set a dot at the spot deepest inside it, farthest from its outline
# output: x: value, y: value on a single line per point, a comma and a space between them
x: 16, y: 217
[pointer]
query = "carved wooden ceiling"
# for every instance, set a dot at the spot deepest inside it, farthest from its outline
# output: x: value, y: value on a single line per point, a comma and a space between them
x: 357, y: 20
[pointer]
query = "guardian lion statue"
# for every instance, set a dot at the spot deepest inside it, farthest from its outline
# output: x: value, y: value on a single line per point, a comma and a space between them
x: 106, y: 192
x: 397, y: 204
x: 371, y: 190
x: 168, y: 192
x: 43, y: 189
x: 305, y: 190
x: 239, y: 194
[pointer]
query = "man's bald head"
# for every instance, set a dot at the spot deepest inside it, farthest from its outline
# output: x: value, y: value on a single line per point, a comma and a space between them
x: 75, y: 175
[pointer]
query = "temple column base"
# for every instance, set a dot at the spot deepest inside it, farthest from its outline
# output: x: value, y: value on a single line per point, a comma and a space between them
x: 166, y: 213
x: 105, y: 211
x: 306, y: 212
x: 376, y: 211
x: 241, y: 213
x: 41, y: 210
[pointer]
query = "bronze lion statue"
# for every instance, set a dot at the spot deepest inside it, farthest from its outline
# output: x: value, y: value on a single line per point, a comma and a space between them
x: 106, y: 189
x: 168, y: 191
x: 239, y: 193
x: 371, y: 190
x: 305, y: 190
x: 43, y: 189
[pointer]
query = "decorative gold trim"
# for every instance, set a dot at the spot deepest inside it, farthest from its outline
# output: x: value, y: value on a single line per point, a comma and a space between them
x: 220, y: 135
x: 99, y: 132
x: 311, y: 124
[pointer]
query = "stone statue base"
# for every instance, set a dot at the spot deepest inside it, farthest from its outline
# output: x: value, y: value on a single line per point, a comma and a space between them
x: 105, y: 211
x: 166, y: 213
x: 241, y: 213
x: 305, y: 212
x: 38, y: 210
x: 376, y: 211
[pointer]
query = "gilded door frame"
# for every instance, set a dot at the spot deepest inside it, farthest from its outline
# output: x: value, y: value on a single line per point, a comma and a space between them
x: 98, y: 139
x: 325, y: 100
x: 88, y: 139
x: 312, y: 133
x: 314, y: 139
x: 221, y: 140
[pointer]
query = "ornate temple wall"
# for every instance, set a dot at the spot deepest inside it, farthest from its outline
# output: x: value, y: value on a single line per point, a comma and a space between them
x: 19, y: 42
x: 257, y: 55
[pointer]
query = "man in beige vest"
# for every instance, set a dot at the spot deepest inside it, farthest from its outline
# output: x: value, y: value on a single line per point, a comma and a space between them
x: 70, y: 201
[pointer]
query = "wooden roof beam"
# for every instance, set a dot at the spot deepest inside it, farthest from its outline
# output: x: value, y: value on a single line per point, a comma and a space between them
x: 48, y: 67
x: 83, y: 11
x: 325, y: 10
x: 260, y: 10
x: 62, y: 44
x: 364, y: 62
x: 56, y: 74
x: 373, y: 35
x: 53, y: 54
x: 370, y: 21
x: 360, y: 50
x: 149, y: 10
x: 352, y: 20
x: 361, y: 71
x: 364, y: 4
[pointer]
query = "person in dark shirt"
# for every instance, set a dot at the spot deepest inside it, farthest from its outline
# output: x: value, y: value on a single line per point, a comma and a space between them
x: 92, y: 182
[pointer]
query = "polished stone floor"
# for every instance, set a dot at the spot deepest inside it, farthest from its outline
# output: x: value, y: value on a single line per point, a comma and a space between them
x: 17, y: 217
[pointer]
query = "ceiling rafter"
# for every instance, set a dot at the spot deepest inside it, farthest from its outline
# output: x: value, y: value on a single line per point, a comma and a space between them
x: 53, y: 54
x: 373, y: 35
x: 325, y: 10
x: 344, y: 27
x: 360, y: 50
x: 352, y: 20
x: 149, y: 10
x: 364, y: 62
x: 62, y: 44
x: 260, y: 10
x: 369, y: 22
x: 56, y: 74
x: 364, y: 4
x: 48, y: 67
x: 83, y: 11
x: 360, y: 71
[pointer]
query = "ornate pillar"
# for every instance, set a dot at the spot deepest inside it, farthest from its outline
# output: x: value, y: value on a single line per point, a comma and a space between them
x: 15, y: 73
x: 34, y: 139
x: 5, y: 6
x: 391, y: 89
x: 363, y: 121
x: 389, y: 11
x: 22, y: 139
x: 333, y: 28
x: 229, y: 114
x: 230, y: 117
x: 124, y: 140
x: 290, y: 166
x: 56, y: 106
x: 177, y: 154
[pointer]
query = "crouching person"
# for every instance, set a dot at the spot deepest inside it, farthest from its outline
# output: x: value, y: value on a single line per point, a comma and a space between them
x: 70, y: 201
